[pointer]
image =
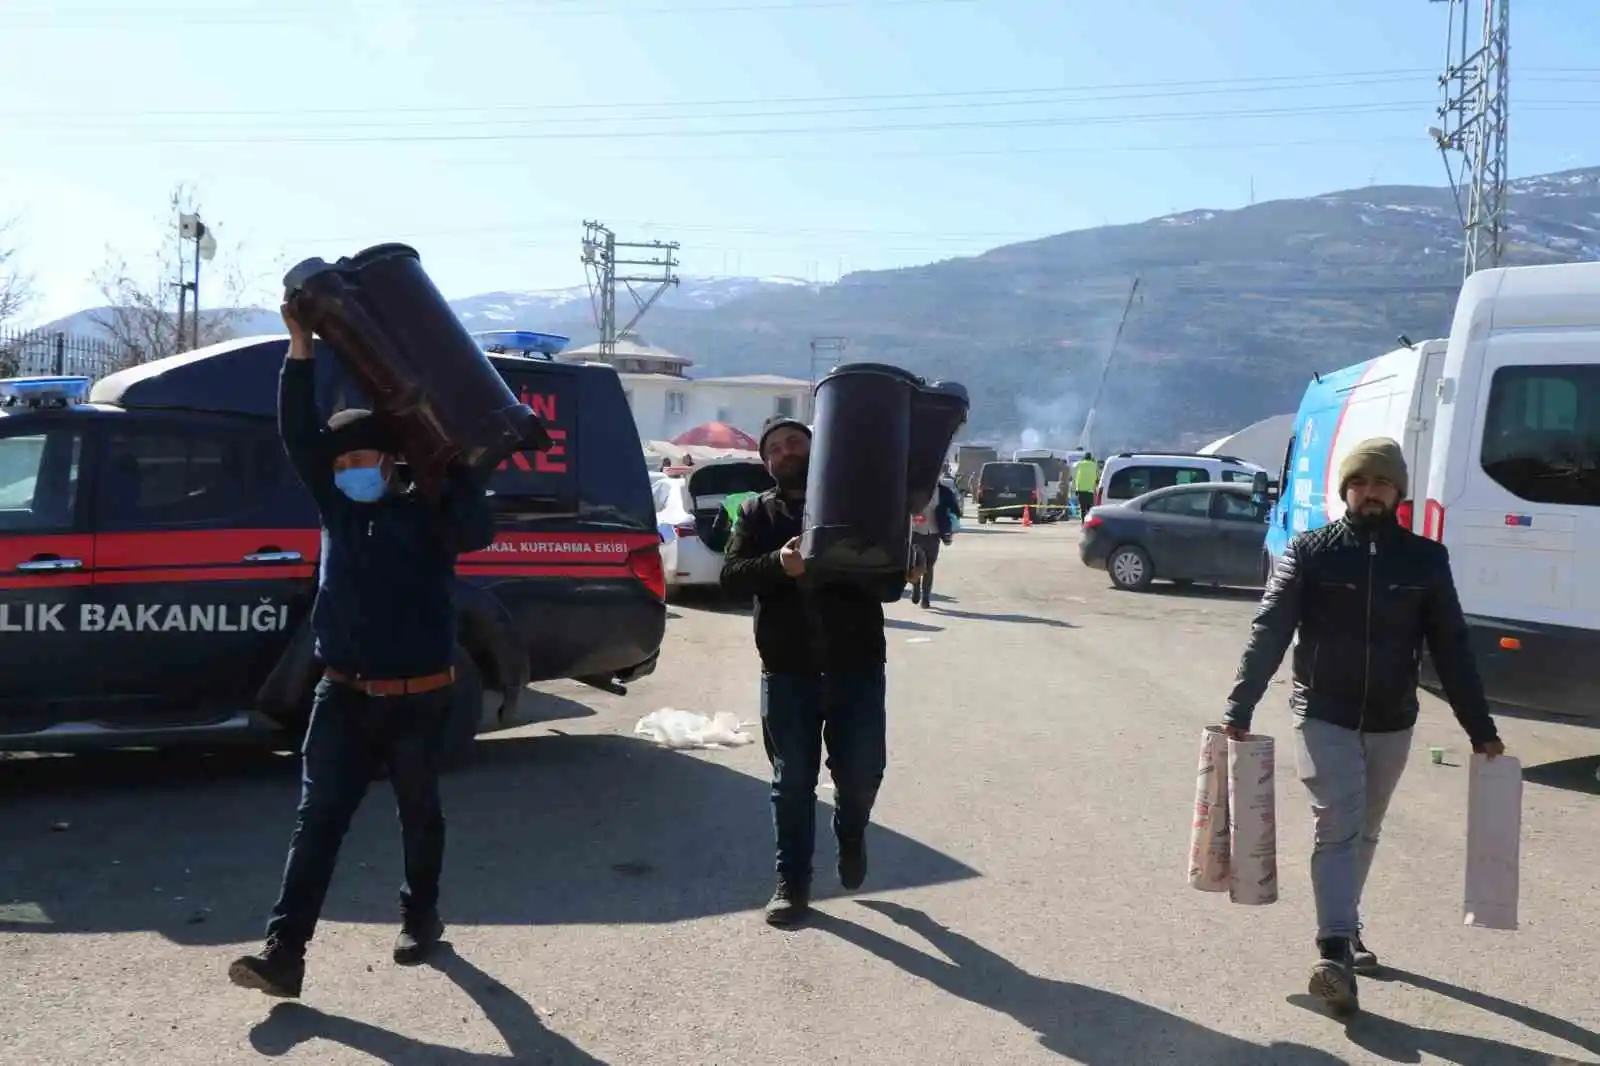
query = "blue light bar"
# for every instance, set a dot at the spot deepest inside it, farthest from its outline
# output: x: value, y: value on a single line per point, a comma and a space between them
x: 521, y: 342
x: 40, y: 391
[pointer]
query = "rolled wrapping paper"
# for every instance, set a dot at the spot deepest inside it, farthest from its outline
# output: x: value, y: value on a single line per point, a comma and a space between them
x: 1252, y: 821
x: 1209, y: 859
x: 1494, y: 838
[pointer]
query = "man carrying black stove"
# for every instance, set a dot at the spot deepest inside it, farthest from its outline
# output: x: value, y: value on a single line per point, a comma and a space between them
x: 822, y: 677
x: 385, y: 627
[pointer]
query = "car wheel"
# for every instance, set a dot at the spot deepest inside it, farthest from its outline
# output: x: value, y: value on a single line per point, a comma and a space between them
x: 466, y: 713
x: 1129, y: 568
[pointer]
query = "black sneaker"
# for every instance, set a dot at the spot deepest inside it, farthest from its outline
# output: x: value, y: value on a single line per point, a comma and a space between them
x: 1362, y: 958
x: 274, y: 971
x: 852, y: 863
x: 916, y: 595
x: 417, y: 937
x: 789, y: 903
x: 1333, y: 978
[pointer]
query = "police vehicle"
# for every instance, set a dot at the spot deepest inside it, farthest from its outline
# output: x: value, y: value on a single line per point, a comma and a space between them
x: 158, y: 555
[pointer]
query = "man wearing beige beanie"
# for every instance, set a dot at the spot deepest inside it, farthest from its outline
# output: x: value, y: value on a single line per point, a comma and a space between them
x: 1359, y: 598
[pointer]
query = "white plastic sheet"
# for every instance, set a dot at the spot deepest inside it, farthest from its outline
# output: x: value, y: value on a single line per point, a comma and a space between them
x: 1494, y: 838
x: 1233, y: 845
x: 687, y: 729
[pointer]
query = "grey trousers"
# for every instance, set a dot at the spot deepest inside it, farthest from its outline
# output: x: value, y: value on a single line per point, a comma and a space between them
x: 1351, y: 777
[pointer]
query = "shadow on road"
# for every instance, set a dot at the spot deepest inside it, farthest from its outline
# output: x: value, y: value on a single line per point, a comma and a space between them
x: 1025, y: 619
x: 917, y: 627
x: 1086, y: 1025
x: 1573, y: 775
x: 1523, y: 1015
x: 1209, y: 592
x: 1399, y: 1041
x: 544, y: 830
x: 290, y: 1024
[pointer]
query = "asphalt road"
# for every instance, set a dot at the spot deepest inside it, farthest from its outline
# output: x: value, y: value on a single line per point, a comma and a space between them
x: 1028, y: 902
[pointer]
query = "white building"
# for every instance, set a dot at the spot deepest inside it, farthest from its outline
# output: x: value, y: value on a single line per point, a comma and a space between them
x: 667, y: 402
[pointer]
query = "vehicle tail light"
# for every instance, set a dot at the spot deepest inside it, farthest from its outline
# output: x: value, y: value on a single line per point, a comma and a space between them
x: 1403, y: 513
x: 686, y: 529
x: 1094, y: 521
x: 1433, y: 520
x: 645, y: 564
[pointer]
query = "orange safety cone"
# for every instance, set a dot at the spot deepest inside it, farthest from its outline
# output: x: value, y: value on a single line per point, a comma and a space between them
x: 1027, y: 516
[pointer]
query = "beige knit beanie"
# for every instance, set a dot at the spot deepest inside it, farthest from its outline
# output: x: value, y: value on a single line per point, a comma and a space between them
x: 1375, y: 458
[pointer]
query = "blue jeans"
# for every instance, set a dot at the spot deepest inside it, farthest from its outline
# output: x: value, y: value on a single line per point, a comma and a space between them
x: 349, y: 736
x: 799, y: 714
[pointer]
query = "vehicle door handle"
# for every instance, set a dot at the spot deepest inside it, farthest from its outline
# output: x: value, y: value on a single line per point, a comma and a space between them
x: 49, y: 564
x: 272, y: 557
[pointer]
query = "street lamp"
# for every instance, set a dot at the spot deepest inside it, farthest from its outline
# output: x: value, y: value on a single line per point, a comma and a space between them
x: 190, y: 228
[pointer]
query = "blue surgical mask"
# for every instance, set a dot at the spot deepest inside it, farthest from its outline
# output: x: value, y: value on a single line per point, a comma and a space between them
x: 363, y: 484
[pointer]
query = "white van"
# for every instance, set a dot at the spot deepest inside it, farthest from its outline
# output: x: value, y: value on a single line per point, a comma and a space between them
x: 1130, y: 474
x: 1395, y: 396
x: 1513, y: 482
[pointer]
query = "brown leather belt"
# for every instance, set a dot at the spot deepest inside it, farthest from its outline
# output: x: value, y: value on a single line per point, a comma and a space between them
x: 393, y: 686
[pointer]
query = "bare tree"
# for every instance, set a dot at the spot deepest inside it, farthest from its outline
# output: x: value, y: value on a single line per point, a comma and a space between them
x: 16, y: 288
x: 141, y: 312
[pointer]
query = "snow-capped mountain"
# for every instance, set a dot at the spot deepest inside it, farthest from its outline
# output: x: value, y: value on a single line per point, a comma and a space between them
x: 555, y: 310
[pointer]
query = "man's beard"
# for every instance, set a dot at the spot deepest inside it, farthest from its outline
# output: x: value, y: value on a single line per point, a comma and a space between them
x: 1371, y: 516
x: 791, y: 475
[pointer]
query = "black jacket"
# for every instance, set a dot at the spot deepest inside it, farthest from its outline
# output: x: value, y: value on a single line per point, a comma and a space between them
x: 384, y: 606
x: 1363, y: 604
x: 800, y: 628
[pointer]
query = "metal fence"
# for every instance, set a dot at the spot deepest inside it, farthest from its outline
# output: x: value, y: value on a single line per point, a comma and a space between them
x: 25, y: 353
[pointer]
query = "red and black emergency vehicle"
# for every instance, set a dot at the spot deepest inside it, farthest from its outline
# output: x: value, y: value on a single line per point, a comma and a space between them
x: 158, y: 555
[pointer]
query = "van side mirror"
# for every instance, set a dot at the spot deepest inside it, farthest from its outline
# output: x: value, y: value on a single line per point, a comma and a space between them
x: 1259, y: 483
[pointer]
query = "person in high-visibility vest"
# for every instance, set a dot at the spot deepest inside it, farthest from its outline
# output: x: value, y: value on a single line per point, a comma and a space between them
x: 1085, y: 476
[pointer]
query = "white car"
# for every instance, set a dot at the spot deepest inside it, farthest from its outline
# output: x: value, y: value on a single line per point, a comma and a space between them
x: 692, y: 506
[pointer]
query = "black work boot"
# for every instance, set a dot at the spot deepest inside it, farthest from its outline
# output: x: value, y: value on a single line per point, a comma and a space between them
x: 852, y: 862
x: 1333, y: 978
x: 276, y: 971
x: 1362, y: 958
x: 790, y: 903
x: 418, y: 934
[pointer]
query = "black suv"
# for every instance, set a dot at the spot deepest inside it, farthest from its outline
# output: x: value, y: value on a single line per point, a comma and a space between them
x: 158, y: 555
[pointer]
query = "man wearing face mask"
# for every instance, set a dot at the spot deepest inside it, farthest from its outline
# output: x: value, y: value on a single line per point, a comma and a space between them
x: 822, y: 677
x: 1360, y: 598
x: 385, y: 628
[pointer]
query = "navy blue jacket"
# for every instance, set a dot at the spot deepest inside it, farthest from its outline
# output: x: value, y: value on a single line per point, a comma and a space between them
x: 384, y: 607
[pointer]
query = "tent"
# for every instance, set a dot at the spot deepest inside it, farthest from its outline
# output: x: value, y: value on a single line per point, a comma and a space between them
x: 1263, y: 443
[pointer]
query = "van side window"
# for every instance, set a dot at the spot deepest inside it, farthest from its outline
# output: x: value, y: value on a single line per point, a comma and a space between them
x: 1133, y: 481
x: 1539, y: 436
x: 39, y: 481
x: 160, y: 478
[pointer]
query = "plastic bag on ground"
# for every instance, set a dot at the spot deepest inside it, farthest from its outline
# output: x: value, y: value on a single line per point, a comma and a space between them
x: 687, y: 729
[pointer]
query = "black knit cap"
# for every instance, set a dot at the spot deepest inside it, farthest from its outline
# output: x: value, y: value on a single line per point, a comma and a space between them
x: 777, y: 422
x: 354, y: 430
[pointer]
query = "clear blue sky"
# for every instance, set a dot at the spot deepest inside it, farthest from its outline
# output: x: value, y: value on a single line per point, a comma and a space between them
x: 485, y: 131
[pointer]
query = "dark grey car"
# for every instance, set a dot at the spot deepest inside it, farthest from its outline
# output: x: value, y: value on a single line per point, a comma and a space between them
x: 1210, y: 532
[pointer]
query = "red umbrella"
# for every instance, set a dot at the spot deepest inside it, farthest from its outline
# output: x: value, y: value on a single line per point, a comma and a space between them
x: 717, y: 435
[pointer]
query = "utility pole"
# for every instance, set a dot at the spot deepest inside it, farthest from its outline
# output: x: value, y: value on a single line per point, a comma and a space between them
x: 1473, y: 118
x: 190, y: 228
x: 600, y: 265
x: 1105, y: 368
x: 837, y: 345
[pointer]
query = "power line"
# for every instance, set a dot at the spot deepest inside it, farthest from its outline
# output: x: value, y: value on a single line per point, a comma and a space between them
x: 337, y: 137
x: 1164, y: 87
x: 340, y: 138
x: 114, y: 17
